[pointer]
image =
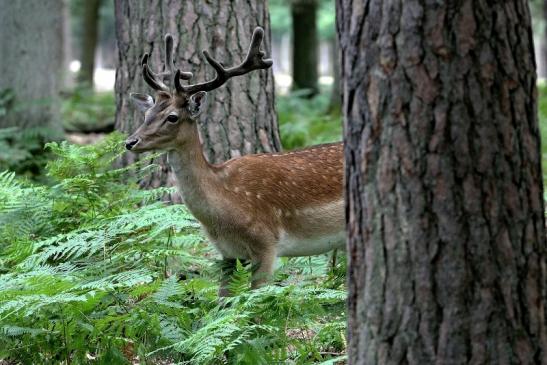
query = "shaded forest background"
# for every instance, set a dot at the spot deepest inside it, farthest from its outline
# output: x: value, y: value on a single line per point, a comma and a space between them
x: 308, y: 114
x: 86, y: 101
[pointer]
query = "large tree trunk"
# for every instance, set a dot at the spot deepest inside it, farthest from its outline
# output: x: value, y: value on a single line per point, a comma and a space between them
x: 446, y: 229
x: 305, y: 45
x: 240, y: 117
x: 89, y: 41
x: 31, y: 40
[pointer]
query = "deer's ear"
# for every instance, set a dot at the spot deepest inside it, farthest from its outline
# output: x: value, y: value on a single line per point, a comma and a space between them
x: 143, y: 102
x: 197, y: 103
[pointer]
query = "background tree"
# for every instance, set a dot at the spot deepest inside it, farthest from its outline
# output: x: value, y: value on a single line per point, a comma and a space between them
x: 31, y: 62
x: 544, y: 43
x: 305, y: 45
x: 327, y: 31
x: 90, y: 15
x: 240, y: 117
x: 446, y: 228
x: 538, y: 9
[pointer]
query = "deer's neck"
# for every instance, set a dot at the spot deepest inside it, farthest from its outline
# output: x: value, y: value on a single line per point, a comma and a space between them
x: 194, y: 175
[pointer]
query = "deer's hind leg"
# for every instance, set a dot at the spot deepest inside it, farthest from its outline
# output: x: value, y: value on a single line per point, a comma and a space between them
x: 264, y: 261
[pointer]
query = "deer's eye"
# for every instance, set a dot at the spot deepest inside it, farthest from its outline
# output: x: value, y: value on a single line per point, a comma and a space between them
x: 173, y: 118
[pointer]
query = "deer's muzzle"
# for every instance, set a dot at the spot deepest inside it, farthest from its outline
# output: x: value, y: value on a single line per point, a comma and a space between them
x: 131, y: 142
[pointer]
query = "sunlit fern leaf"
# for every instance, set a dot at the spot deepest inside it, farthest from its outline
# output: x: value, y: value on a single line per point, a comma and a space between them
x: 15, y: 331
x: 125, y: 279
x: 240, y: 280
x: 30, y: 304
x: 168, y: 289
x: 170, y: 330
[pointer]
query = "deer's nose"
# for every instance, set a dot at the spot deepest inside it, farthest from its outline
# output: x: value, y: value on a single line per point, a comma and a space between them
x: 130, y: 143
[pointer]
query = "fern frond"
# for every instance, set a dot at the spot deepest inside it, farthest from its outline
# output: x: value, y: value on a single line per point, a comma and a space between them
x: 240, y: 281
x: 16, y: 331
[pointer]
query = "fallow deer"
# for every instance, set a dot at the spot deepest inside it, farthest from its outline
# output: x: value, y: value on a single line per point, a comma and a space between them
x: 255, y: 207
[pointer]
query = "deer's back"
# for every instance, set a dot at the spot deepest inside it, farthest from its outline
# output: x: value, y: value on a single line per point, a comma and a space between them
x: 295, y: 195
x: 287, y: 181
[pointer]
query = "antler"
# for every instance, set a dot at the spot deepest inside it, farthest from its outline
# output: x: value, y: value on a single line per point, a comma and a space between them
x: 253, y: 61
x: 155, y: 81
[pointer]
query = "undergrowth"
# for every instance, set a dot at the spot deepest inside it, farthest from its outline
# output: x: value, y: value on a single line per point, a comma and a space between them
x: 22, y: 150
x: 94, y: 270
x: 87, y: 111
x: 305, y: 122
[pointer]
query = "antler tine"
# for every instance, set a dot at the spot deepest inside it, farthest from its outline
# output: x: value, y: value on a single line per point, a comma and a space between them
x: 254, y: 60
x: 155, y: 81
x: 151, y: 78
x: 171, y: 63
x: 181, y: 75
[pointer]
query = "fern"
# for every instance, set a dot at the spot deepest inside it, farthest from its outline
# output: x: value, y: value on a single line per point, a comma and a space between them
x: 240, y: 281
x: 91, y: 265
x: 16, y: 331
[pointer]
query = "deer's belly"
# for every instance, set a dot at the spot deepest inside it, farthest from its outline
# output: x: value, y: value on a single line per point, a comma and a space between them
x: 290, y: 245
x: 313, y: 230
x: 231, y: 250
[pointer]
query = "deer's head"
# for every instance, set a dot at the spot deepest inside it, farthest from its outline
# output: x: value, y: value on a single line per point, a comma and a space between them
x: 170, y: 115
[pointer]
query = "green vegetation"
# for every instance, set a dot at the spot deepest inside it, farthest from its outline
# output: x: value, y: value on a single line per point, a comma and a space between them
x: 94, y: 270
x: 281, y: 20
x: 21, y: 149
x: 87, y: 111
x: 542, y: 115
x: 304, y: 122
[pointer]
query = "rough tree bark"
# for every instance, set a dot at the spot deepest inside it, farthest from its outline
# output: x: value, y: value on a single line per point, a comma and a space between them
x: 240, y: 117
x: 89, y: 41
x: 305, y: 45
x: 446, y: 229
x: 31, y: 40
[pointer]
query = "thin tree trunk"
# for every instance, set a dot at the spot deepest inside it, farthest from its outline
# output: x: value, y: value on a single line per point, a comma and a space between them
x: 446, y: 228
x: 544, y: 41
x: 336, y: 92
x: 89, y: 41
x: 31, y: 40
x: 240, y: 117
x: 67, y: 79
x: 305, y: 45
